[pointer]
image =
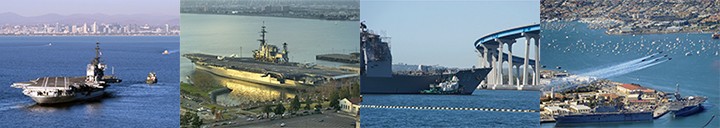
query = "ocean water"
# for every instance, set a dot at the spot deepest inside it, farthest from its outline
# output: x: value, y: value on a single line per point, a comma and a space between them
x: 501, y: 99
x: 695, y: 64
x: 131, y: 103
x: 227, y: 35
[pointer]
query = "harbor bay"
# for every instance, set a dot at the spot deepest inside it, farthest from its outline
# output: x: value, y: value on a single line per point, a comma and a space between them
x: 687, y: 61
x: 130, y: 103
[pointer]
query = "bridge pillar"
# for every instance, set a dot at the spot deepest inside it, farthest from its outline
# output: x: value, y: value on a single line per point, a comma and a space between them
x: 485, y: 54
x: 510, y: 42
x: 537, y: 60
x: 500, y: 64
x: 486, y: 64
x: 525, y: 64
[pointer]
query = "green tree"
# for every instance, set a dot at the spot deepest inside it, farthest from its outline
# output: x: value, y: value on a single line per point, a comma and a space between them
x: 279, y: 109
x: 190, y: 119
x: 355, y: 89
x: 308, y: 102
x: 318, y: 106
x: 334, y: 97
x: 295, y: 104
x: 185, y: 118
x: 267, y: 110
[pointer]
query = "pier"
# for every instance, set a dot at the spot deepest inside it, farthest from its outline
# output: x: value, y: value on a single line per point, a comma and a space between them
x: 343, y: 58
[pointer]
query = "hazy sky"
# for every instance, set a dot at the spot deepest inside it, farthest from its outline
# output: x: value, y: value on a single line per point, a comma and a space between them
x: 111, y: 7
x: 443, y: 32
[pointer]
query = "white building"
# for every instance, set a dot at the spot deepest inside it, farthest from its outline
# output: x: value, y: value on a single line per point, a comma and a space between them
x: 350, y: 105
x: 580, y: 109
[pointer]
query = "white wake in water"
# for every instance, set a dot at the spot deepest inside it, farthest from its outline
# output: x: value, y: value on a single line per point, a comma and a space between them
x: 173, y: 51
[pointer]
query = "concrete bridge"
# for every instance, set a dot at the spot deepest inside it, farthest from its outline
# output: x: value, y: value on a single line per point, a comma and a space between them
x: 492, y: 55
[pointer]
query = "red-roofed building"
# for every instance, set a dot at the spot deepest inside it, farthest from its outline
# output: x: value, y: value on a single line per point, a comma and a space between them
x: 629, y: 88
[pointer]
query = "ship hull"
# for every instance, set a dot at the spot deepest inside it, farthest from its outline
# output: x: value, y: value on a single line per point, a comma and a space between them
x: 79, y: 96
x: 246, y: 76
x: 414, y: 84
x: 689, y: 110
x: 605, y: 117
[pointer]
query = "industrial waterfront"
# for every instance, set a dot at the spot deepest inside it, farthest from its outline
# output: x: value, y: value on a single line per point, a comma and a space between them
x: 242, y: 100
x: 654, y: 64
x: 131, y: 103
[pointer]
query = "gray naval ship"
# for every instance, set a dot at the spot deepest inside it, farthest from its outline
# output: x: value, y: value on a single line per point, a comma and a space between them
x: 685, y: 106
x: 378, y: 77
x: 269, y: 65
x: 53, y: 90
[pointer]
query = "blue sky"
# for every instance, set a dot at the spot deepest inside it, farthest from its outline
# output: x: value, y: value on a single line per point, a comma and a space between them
x: 110, y: 7
x: 434, y: 32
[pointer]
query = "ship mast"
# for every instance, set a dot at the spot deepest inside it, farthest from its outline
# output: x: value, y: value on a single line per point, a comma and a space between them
x: 262, y: 36
x: 96, y: 60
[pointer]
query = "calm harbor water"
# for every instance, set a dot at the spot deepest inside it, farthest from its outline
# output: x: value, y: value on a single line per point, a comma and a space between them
x: 227, y: 35
x: 131, y: 103
x: 695, y: 64
x: 393, y: 118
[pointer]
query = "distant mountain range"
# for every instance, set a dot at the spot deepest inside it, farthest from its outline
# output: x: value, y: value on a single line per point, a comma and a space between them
x: 15, y: 19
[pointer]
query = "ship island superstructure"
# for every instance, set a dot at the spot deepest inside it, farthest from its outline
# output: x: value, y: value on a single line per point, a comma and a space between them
x: 269, y: 65
x: 378, y: 76
x: 52, y: 90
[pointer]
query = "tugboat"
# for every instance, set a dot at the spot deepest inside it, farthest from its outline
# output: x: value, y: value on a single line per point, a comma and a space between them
x: 53, y: 90
x: 151, y: 78
x: 447, y: 87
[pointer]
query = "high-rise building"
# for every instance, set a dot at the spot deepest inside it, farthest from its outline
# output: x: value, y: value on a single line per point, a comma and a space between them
x: 74, y: 29
x: 84, y: 28
x: 94, y: 28
x: 167, y: 28
x: 57, y: 27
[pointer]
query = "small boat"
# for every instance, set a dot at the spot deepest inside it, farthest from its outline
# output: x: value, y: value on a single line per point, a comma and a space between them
x: 165, y: 52
x: 151, y: 78
x: 716, y: 35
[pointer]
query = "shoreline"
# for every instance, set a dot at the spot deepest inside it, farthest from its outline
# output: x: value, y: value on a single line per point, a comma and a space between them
x: 293, y: 17
x: 609, y: 31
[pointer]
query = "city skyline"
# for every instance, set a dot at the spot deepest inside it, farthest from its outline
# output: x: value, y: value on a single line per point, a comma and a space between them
x: 15, y: 19
x: 93, y: 28
x: 110, y: 7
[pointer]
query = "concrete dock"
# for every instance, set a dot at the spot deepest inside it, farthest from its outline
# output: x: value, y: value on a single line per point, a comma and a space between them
x: 343, y: 58
x: 661, y: 110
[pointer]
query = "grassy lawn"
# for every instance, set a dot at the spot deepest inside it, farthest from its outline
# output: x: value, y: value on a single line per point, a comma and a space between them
x: 201, y: 91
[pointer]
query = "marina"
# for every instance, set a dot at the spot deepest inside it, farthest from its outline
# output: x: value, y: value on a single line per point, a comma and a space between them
x: 652, y: 61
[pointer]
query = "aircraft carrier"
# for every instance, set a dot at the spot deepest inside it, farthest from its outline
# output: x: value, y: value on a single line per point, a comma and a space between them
x: 378, y: 77
x: 269, y: 65
x: 685, y: 106
x: 53, y: 90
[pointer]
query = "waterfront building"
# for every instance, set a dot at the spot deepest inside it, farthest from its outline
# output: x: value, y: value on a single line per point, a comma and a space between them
x: 350, y: 105
x: 580, y: 109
